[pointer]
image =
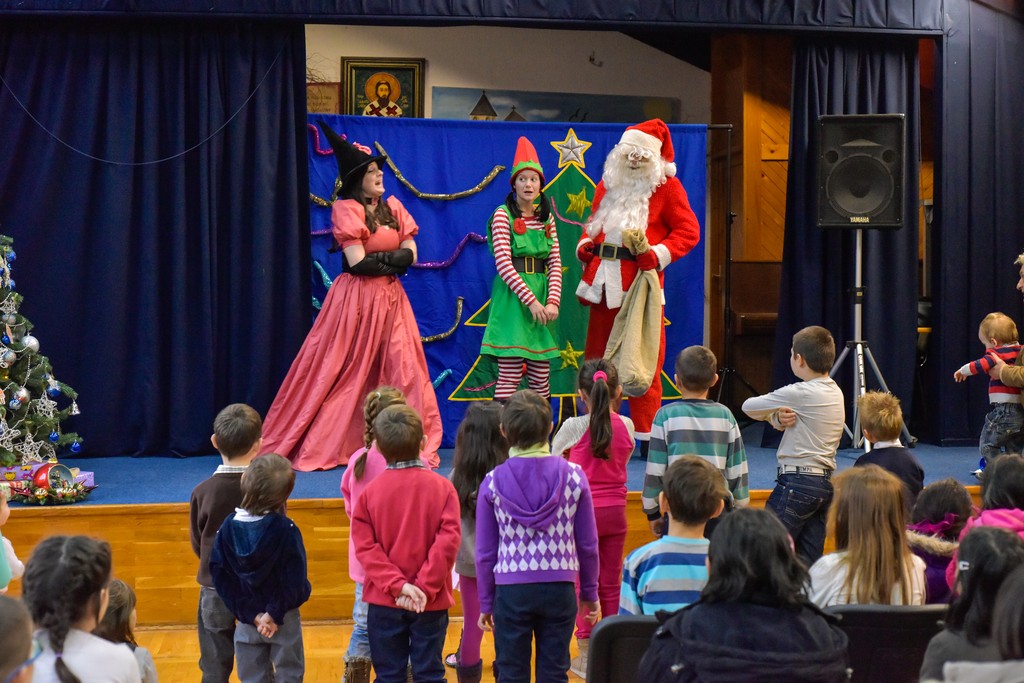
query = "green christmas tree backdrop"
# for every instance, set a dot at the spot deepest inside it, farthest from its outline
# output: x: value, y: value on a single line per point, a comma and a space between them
x: 571, y: 193
x: 30, y: 415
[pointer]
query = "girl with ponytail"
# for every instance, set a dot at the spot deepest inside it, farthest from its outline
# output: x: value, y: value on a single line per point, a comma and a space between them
x: 601, y: 442
x: 65, y: 590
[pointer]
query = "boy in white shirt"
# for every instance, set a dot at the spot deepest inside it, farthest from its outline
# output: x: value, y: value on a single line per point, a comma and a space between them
x: 811, y: 414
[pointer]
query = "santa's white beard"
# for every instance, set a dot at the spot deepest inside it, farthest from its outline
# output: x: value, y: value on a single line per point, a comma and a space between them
x: 627, y: 197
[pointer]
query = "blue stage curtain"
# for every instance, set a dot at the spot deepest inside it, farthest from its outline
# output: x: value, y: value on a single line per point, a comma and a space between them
x: 978, y: 228
x: 164, y: 259
x: 876, y: 76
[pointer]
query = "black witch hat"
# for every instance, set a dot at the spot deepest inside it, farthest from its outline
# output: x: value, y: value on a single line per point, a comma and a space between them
x: 351, y: 159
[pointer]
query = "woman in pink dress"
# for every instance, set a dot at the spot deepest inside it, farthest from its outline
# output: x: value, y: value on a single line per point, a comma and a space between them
x: 365, y: 335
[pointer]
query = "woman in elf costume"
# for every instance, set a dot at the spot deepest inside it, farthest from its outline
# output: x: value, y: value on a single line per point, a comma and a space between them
x: 528, y: 288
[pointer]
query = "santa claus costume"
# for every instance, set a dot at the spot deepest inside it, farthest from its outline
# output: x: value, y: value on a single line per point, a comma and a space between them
x: 528, y: 287
x: 638, y: 190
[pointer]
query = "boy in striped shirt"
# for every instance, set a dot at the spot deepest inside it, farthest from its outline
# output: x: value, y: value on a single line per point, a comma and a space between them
x: 695, y: 425
x: 1005, y: 418
x: 669, y: 573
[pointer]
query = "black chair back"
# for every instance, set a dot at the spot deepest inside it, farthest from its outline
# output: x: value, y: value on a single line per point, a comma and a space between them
x: 617, y: 644
x: 887, y: 642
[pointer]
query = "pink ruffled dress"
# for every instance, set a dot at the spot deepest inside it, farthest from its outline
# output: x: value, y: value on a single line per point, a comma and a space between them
x: 365, y: 336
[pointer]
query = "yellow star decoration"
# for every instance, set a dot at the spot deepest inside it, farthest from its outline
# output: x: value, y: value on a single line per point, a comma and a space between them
x: 570, y: 356
x: 578, y: 203
x: 570, y: 150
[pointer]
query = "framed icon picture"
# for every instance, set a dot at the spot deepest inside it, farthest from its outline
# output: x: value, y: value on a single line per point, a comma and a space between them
x: 375, y: 86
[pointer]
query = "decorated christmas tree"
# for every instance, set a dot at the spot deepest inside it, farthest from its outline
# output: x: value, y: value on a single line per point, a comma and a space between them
x: 31, y: 396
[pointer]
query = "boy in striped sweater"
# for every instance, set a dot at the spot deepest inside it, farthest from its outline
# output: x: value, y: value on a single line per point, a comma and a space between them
x: 1005, y: 419
x: 695, y: 425
x: 669, y: 573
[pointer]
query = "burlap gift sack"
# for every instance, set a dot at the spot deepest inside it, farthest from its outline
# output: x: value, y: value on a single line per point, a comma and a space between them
x: 635, y: 339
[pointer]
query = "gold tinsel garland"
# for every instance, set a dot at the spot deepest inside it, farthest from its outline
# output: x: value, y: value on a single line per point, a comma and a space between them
x: 451, y: 330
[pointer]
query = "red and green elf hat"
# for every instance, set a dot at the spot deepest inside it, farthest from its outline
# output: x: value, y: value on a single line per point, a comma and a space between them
x: 526, y: 159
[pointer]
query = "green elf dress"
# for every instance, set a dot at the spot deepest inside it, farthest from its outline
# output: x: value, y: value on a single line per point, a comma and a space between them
x: 529, y: 268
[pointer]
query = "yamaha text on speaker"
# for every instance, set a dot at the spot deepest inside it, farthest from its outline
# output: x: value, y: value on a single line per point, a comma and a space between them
x: 860, y: 171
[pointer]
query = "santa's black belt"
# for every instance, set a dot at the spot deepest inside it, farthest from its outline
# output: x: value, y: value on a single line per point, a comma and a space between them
x: 529, y: 264
x: 614, y: 252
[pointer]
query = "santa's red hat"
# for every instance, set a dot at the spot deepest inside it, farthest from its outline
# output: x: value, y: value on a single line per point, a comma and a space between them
x: 653, y: 135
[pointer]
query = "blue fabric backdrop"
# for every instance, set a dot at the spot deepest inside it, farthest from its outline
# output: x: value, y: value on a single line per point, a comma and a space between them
x: 444, y: 157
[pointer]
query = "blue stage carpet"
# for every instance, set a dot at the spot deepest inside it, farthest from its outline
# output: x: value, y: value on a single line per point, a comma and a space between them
x: 125, y: 480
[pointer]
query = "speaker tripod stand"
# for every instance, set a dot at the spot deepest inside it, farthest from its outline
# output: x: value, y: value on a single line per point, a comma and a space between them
x: 861, y: 353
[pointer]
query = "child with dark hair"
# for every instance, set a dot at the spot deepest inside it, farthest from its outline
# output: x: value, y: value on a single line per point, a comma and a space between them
x: 939, y: 515
x: 21, y: 649
x: 479, y: 448
x: 65, y: 590
x: 238, y: 437
x: 601, y: 443
x: 118, y: 626
x: 811, y: 415
x: 1007, y: 634
x: 753, y: 621
x: 258, y: 566
x: 987, y: 556
x: 364, y: 466
x: 695, y: 425
x: 1002, y: 502
x: 406, y: 530
x: 669, y: 573
x: 535, y: 533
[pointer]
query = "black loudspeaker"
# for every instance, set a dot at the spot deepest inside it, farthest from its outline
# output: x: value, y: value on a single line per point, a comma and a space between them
x: 860, y: 171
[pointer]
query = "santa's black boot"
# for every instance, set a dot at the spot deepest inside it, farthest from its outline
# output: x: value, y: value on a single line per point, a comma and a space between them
x: 645, y: 446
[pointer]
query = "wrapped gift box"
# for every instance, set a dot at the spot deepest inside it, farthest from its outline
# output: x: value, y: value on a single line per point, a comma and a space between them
x: 19, y: 472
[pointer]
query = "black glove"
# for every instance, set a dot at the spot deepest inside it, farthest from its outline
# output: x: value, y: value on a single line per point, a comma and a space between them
x: 399, y: 258
x: 372, y: 265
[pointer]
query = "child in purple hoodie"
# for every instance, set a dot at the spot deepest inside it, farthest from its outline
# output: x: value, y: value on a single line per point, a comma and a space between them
x: 535, y: 532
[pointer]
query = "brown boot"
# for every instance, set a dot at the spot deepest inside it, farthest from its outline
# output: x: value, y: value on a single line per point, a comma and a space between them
x: 470, y: 674
x: 357, y: 670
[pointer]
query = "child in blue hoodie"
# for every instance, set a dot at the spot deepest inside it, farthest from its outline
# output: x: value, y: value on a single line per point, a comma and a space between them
x: 258, y: 566
x: 535, y: 532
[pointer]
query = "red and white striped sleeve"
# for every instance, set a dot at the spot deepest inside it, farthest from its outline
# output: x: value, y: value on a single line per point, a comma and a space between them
x: 502, y: 245
x: 554, y: 269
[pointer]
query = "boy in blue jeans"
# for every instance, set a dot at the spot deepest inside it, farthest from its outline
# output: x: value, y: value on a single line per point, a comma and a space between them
x: 1005, y: 418
x: 811, y: 415
x: 407, y: 530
